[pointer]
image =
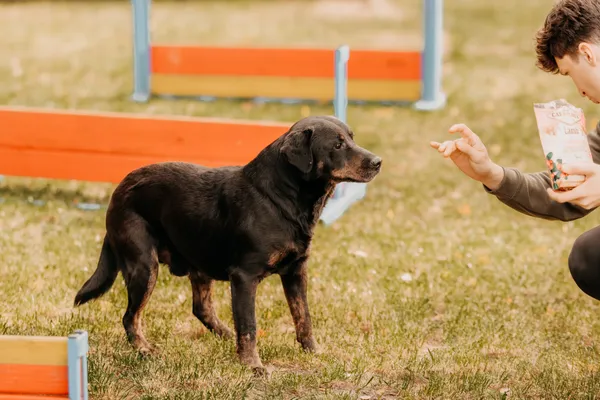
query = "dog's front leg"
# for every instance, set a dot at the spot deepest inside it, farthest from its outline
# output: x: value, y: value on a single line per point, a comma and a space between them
x: 294, y: 286
x: 243, y: 298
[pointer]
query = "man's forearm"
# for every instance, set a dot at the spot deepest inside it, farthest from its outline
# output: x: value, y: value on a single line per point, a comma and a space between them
x: 527, y: 194
x: 495, y: 179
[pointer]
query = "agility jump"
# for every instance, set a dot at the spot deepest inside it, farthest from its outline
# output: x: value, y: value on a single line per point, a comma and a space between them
x: 37, y: 367
x: 283, y: 74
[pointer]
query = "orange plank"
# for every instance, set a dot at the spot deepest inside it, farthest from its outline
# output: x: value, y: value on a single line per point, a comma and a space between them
x: 376, y: 64
x: 83, y: 166
x: 34, y: 379
x: 210, y: 141
x: 314, y: 63
x: 193, y: 60
x: 31, y: 397
x: 96, y: 167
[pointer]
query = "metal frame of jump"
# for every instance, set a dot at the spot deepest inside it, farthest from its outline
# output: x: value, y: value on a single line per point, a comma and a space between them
x: 432, y: 96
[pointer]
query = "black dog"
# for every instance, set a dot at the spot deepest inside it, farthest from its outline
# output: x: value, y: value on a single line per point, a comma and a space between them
x: 237, y: 224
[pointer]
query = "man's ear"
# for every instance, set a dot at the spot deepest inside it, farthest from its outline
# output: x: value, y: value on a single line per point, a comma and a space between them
x: 296, y: 147
x: 586, y: 51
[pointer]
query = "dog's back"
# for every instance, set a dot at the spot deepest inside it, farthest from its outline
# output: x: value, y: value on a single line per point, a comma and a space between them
x: 196, y: 216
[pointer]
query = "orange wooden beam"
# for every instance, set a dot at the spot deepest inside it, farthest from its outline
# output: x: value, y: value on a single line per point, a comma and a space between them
x: 385, y: 65
x: 31, y: 397
x: 195, y: 60
x: 34, y: 379
x: 312, y: 63
x: 106, y: 146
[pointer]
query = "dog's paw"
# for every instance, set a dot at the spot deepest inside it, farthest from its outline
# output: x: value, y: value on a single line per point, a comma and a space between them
x: 311, y: 346
x: 147, y: 350
x: 262, y: 372
x: 224, y: 332
x: 316, y: 350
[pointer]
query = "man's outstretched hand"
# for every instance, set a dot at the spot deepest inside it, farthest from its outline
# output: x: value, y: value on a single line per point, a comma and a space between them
x: 471, y: 157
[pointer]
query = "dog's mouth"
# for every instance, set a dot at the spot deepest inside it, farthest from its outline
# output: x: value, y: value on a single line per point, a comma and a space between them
x: 361, y: 175
x: 360, y: 170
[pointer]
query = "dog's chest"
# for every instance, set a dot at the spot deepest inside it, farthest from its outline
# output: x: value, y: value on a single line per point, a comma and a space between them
x: 286, y: 255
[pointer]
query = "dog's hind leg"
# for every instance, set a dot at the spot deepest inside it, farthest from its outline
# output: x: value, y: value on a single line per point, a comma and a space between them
x: 203, y: 305
x: 140, y: 271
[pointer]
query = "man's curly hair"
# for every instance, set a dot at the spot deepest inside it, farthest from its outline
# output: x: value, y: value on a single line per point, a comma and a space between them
x: 569, y: 23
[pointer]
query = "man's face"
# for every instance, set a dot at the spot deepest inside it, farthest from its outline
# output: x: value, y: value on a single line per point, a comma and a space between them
x: 584, y: 70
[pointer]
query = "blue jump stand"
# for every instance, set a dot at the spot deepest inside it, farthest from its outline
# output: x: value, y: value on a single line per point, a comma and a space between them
x: 346, y: 193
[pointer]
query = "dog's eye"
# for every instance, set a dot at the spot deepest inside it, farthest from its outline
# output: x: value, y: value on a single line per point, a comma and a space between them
x: 338, y: 145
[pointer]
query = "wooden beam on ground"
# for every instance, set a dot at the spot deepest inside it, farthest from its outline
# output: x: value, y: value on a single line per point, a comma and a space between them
x: 106, y: 146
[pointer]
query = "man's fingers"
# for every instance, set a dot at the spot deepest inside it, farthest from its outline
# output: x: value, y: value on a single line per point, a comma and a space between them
x: 446, y: 148
x: 443, y: 146
x: 587, y: 169
x: 564, y: 197
x: 449, y: 148
x: 466, y: 148
x: 465, y: 132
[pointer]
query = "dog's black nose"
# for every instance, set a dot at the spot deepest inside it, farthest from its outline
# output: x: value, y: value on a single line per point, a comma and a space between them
x: 376, y: 162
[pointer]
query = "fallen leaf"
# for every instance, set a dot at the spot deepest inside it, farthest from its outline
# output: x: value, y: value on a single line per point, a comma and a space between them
x: 465, y: 209
x: 541, y: 250
x: 365, y: 327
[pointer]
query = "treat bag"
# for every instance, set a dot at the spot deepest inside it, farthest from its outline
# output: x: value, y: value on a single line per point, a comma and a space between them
x: 564, y: 140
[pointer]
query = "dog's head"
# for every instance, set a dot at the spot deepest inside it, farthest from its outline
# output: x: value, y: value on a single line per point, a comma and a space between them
x: 323, y: 147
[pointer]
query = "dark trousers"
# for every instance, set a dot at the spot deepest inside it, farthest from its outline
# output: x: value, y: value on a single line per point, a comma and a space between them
x: 584, y: 262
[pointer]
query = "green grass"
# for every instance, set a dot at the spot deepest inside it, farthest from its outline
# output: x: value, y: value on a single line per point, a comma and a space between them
x: 491, y: 306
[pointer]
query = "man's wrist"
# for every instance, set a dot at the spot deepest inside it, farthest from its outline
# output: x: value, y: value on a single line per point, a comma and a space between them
x: 495, y: 177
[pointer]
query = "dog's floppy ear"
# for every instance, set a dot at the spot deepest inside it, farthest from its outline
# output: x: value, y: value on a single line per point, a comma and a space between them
x: 296, y: 147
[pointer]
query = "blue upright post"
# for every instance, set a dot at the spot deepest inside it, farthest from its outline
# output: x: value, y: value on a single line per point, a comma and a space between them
x: 141, y: 50
x: 77, y: 349
x: 340, y: 97
x: 433, y: 97
x: 348, y: 192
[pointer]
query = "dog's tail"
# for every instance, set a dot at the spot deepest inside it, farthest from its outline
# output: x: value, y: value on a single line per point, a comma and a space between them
x: 102, y: 279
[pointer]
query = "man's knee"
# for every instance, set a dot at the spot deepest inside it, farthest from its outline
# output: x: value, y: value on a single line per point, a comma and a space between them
x: 584, y: 262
